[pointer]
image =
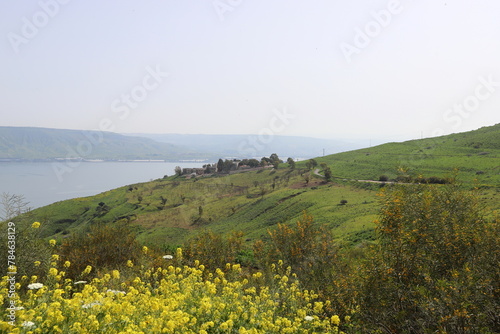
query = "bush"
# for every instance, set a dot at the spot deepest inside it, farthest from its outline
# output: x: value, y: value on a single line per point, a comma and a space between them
x: 214, y: 250
x: 433, y: 270
x: 103, y: 247
x: 20, y: 243
x: 312, y: 254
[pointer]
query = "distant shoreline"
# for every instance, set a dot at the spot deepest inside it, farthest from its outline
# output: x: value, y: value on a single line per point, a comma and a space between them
x: 104, y: 160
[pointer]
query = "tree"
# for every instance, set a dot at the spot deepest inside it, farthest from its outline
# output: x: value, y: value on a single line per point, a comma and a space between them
x: 291, y: 163
x: 274, y: 158
x: 326, y: 171
x: 163, y: 202
x: 311, y: 163
x: 220, y: 166
x: 262, y: 191
x: 227, y: 165
x: 12, y: 205
x: 178, y: 170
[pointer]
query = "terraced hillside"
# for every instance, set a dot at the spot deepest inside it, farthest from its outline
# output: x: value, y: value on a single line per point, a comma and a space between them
x: 168, y: 211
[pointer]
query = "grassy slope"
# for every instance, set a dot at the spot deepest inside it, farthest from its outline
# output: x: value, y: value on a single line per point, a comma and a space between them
x: 470, y: 152
x: 248, y: 201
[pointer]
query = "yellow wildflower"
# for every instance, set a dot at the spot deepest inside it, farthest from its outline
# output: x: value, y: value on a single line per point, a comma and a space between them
x: 115, y: 274
x: 178, y: 253
x: 87, y: 270
x: 35, y: 225
x: 335, y: 320
x: 52, y: 242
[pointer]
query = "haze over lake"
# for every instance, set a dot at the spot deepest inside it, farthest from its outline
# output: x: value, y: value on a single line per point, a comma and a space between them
x: 39, y: 184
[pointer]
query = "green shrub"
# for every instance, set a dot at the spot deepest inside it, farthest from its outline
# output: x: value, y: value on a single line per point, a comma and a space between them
x: 21, y: 246
x: 103, y: 246
x: 434, y: 269
x: 312, y: 254
x: 214, y: 250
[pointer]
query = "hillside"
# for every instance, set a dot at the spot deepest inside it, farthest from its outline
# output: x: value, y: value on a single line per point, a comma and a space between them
x: 168, y: 211
x: 28, y: 143
x: 476, y: 155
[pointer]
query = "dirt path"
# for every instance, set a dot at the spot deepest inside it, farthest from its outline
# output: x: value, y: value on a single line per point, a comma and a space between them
x: 316, y: 172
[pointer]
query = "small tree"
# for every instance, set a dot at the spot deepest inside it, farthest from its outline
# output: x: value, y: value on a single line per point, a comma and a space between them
x: 291, y: 163
x: 311, y: 163
x: 327, y: 172
x: 12, y: 205
x: 220, y: 166
x: 275, y: 159
x: 178, y: 170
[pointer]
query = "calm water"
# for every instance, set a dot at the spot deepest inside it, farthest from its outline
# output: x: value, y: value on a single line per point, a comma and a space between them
x: 40, y: 184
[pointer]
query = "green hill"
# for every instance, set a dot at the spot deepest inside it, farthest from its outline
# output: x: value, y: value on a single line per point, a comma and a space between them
x: 170, y: 210
x: 476, y: 155
x: 28, y: 143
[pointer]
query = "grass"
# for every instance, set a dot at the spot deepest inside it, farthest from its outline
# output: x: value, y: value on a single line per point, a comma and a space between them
x: 475, y: 154
x: 169, y: 211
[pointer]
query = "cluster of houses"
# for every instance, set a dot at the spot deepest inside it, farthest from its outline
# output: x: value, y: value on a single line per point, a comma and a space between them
x: 207, y: 169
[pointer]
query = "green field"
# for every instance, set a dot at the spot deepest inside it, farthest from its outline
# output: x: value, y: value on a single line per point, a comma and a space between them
x: 171, y: 210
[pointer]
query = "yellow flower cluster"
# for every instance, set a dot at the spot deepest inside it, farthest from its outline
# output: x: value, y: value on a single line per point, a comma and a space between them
x: 172, y: 300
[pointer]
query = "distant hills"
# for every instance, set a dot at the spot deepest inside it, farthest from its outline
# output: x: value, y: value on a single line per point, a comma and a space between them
x: 255, y: 146
x: 31, y: 143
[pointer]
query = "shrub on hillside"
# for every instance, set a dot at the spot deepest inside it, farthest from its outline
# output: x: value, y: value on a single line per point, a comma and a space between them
x: 104, y: 247
x: 25, y: 253
x: 214, y: 250
x: 436, y: 266
x: 312, y: 254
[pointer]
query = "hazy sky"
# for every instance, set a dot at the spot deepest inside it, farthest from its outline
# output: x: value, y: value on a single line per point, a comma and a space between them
x: 386, y: 70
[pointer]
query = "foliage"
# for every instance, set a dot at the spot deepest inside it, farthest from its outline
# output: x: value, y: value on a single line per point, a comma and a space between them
x: 214, y: 250
x: 327, y: 172
x: 311, y: 163
x: 103, y: 246
x: 433, y: 270
x: 168, y: 299
x: 24, y: 247
x: 311, y: 253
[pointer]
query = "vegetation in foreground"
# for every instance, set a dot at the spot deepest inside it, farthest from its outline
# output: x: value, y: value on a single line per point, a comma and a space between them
x: 433, y: 269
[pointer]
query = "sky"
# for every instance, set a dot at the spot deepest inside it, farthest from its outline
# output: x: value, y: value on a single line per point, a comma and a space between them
x: 385, y: 70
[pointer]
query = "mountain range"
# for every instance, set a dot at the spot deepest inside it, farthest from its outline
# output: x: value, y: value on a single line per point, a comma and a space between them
x: 32, y: 143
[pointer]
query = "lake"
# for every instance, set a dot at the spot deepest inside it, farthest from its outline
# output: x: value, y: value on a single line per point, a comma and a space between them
x: 42, y: 184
